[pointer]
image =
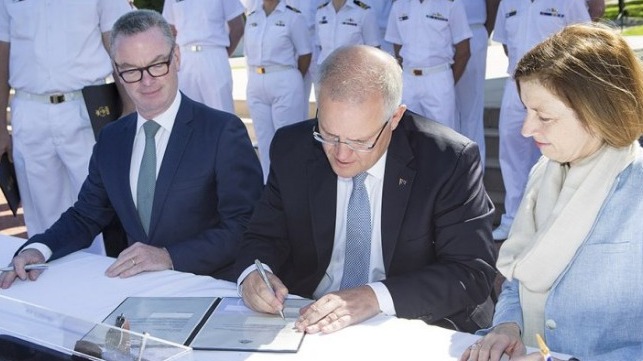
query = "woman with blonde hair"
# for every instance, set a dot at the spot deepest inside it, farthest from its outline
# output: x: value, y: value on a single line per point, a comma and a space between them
x: 574, y: 257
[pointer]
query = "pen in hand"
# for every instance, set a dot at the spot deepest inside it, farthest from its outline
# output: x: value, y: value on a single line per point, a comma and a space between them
x: 262, y: 273
x: 29, y: 267
x: 544, y: 350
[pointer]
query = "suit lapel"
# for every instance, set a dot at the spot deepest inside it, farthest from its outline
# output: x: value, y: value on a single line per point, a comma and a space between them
x: 323, y: 204
x: 398, y: 183
x: 179, y: 140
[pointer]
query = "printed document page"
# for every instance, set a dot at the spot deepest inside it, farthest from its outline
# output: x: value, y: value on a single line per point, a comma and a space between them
x: 233, y: 326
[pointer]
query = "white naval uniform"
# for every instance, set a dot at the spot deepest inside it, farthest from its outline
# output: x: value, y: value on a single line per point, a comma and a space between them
x: 355, y: 23
x: 308, y: 8
x: 383, y: 9
x: 275, y: 91
x: 56, y: 47
x: 202, y: 34
x: 428, y: 32
x: 469, y: 90
x: 521, y: 25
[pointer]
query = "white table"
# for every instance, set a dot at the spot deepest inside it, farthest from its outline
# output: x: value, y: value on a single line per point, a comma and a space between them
x: 76, y: 285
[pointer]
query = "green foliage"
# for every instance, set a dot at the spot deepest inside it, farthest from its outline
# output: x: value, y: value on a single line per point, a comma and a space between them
x: 633, y: 30
x: 634, y: 9
x: 149, y: 4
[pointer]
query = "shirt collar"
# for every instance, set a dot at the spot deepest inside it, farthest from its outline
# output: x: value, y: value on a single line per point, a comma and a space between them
x: 377, y: 170
x: 165, y: 119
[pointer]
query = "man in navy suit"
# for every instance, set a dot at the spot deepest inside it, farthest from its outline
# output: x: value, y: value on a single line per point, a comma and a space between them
x: 431, y: 255
x: 208, y: 176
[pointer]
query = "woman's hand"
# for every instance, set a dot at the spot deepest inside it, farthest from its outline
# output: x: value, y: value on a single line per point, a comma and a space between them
x: 503, y: 338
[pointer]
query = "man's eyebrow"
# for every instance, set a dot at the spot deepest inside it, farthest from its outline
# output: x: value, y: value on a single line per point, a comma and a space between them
x: 338, y: 137
x: 156, y: 60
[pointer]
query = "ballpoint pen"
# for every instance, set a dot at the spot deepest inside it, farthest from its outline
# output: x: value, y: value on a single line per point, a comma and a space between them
x: 544, y: 350
x: 29, y: 267
x: 265, y: 280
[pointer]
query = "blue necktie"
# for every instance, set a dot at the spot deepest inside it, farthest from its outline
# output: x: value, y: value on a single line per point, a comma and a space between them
x: 358, y: 236
x: 147, y: 175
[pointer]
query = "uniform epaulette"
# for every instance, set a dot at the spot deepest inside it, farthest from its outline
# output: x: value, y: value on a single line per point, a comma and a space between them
x: 293, y: 9
x: 324, y: 4
x: 361, y: 5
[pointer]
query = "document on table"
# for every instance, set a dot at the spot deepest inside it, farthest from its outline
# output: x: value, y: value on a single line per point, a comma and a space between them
x: 173, y: 319
x: 210, y: 323
x: 233, y: 326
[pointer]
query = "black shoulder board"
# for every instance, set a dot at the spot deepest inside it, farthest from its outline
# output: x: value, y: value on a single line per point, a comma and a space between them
x: 322, y: 5
x: 293, y: 9
x: 361, y: 4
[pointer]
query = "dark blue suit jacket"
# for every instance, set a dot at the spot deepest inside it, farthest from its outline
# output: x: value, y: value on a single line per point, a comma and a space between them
x: 436, y: 221
x: 206, y: 189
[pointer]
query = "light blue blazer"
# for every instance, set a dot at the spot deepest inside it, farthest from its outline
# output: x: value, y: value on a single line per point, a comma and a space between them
x: 595, y: 308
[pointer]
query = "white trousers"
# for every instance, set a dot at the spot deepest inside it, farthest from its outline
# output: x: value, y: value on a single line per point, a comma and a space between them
x: 431, y: 95
x: 206, y: 77
x: 275, y: 99
x: 517, y: 153
x: 52, y: 145
x: 469, y: 91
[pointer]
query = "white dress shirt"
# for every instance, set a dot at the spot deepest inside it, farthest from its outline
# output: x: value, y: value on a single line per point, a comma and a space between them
x: 333, y: 277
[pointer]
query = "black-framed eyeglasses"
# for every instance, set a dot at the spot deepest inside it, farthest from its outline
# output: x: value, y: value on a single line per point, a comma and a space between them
x: 354, y: 145
x: 154, y: 70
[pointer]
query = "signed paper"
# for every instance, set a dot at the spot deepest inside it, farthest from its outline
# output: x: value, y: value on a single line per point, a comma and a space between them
x: 233, y: 326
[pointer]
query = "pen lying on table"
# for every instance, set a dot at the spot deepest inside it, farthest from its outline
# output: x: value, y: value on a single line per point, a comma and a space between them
x: 29, y: 267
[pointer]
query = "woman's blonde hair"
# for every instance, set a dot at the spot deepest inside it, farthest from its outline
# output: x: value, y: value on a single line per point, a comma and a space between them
x: 595, y: 72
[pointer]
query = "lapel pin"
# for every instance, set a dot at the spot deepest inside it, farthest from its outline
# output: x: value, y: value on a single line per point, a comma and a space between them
x: 401, y: 182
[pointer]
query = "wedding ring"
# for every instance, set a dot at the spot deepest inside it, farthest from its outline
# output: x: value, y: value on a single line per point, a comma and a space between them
x: 133, y: 262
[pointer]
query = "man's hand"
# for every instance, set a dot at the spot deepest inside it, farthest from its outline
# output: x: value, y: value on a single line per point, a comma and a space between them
x: 337, y: 310
x: 258, y: 297
x: 27, y: 256
x: 138, y: 258
x: 503, y: 338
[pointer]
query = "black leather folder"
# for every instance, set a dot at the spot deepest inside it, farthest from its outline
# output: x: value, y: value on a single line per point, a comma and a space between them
x: 9, y: 184
x: 103, y: 105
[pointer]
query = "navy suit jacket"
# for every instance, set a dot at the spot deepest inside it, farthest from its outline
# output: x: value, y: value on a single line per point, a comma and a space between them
x: 206, y: 189
x: 436, y: 220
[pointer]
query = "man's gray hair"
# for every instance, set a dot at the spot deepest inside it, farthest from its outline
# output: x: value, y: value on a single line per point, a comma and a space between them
x: 356, y: 73
x: 138, y: 21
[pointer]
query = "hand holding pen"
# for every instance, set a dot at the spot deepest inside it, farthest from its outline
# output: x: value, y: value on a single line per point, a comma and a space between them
x: 28, y: 264
x: 264, y: 277
x: 29, y: 267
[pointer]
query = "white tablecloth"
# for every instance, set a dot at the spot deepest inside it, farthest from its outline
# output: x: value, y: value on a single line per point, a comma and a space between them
x: 76, y: 285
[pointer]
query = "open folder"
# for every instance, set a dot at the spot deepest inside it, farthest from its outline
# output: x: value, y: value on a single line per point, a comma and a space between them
x: 9, y: 184
x: 211, y: 323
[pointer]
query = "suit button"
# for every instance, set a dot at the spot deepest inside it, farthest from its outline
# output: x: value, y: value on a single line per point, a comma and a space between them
x: 550, y: 324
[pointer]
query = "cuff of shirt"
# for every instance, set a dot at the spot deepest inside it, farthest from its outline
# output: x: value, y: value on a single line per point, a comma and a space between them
x: 245, y: 274
x: 42, y: 248
x: 383, y: 298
